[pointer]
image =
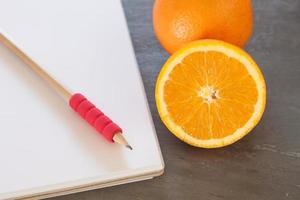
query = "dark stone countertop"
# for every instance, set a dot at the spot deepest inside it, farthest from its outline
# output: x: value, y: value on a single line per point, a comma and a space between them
x: 264, y: 164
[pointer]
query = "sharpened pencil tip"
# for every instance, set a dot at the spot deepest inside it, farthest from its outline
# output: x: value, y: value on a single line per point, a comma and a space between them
x: 129, y: 147
x: 118, y: 138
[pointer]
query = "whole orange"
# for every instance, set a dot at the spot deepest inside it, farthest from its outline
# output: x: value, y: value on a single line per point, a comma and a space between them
x: 177, y: 22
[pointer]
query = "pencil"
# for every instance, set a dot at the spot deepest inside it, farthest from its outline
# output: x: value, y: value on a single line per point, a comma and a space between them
x: 80, y: 104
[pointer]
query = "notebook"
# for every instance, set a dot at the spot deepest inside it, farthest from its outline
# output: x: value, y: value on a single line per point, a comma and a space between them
x: 46, y: 149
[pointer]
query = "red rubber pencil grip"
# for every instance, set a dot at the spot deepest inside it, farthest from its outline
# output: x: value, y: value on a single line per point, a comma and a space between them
x: 94, y: 116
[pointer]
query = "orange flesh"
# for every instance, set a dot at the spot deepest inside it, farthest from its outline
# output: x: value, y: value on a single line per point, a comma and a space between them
x: 210, y: 95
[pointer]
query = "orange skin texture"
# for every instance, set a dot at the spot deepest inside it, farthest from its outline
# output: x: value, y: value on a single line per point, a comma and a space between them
x: 177, y: 22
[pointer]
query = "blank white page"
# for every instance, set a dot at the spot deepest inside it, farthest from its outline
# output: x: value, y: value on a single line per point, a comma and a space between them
x: 85, y: 45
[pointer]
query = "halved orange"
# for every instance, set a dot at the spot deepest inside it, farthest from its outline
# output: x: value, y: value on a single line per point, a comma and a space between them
x: 210, y: 94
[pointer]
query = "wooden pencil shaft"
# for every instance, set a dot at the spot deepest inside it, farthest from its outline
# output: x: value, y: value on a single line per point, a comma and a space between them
x: 118, y: 138
x: 36, y: 68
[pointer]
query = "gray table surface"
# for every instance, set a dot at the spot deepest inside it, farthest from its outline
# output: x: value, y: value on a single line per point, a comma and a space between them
x: 264, y: 164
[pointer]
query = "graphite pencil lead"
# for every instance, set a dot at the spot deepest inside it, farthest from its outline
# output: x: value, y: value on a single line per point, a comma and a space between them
x: 129, y: 147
